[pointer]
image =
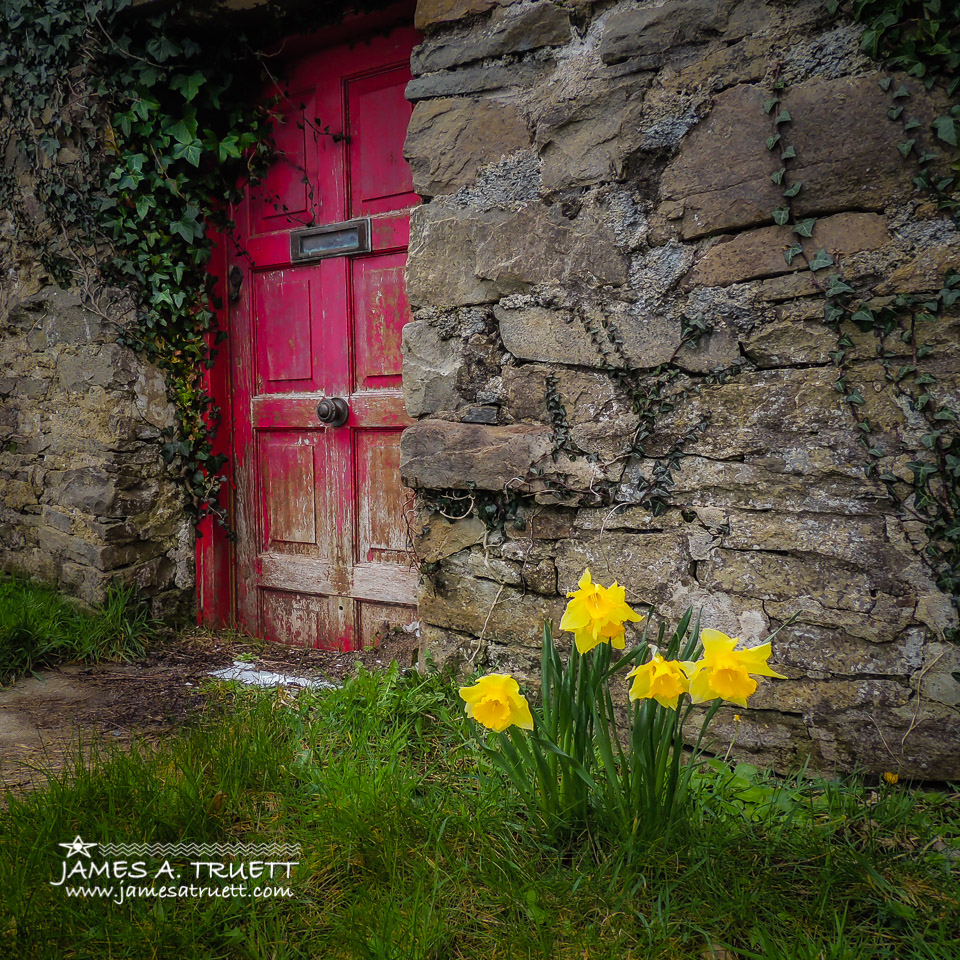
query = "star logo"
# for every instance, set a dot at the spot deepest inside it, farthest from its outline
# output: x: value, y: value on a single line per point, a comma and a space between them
x: 77, y: 846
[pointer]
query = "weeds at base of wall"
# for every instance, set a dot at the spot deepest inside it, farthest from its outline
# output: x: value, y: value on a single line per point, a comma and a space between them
x: 40, y: 626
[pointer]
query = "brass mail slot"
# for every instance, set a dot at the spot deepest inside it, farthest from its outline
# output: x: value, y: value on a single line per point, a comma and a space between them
x: 334, y: 240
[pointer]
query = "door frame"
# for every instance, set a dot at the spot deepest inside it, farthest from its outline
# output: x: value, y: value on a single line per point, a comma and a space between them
x: 215, y: 553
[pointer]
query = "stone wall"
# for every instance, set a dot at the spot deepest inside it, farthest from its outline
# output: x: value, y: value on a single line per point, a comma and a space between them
x: 600, y: 169
x: 85, y: 496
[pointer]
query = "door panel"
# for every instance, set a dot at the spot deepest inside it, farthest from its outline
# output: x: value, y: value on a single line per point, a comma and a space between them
x: 322, y: 551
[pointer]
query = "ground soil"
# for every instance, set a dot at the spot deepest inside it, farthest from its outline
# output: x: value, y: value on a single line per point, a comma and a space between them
x: 43, y: 718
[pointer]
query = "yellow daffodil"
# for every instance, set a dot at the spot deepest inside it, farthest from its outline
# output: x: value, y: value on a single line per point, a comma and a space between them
x: 661, y: 680
x: 891, y: 778
x: 596, y: 614
x: 726, y: 673
x: 496, y: 702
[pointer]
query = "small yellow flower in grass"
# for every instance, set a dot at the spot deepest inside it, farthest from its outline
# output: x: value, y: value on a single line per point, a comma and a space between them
x: 726, y: 673
x: 596, y: 614
x: 736, y: 718
x: 496, y: 702
x: 660, y: 680
x: 891, y: 778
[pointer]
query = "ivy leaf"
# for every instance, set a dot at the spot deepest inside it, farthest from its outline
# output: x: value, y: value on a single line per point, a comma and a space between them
x: 143, y: 205
x: 770, y: 105
x: 894, y: 113
x: 182, y: 133
x: 905, y: 146
x: 190, y: 85
x: 945, y: 413
x: 782, y: 214
x: 228, y: 148
x: 793, y: 190
x: 901, y: 92
x: 49, y: 145
x: 946, y: 128
x: 773, y: 141
x: 911, y: 124
x: 144, y: 105
x: 864, y: 317
x: 782, y: 117
x: 855, y: 397
x: 922, y: 470
x: 838, y: 285
x: 791, y: 252
x: 885, y: 83
x: 163, y: 48
x: 191, y: 152
x: 805, y: 227
x: 832, y: 314
x: 821, y: 260
x: 778, y: 176
x: 789, y: 153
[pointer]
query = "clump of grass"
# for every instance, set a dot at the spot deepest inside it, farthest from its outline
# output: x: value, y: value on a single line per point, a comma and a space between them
x: 415, y: 848
x: 40, y: 626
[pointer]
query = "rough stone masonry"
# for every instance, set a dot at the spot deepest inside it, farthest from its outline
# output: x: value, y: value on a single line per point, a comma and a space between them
x: 86, y: 499
x: 585, y: 164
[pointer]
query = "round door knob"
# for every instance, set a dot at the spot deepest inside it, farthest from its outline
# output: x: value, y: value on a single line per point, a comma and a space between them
x: 333, y: 411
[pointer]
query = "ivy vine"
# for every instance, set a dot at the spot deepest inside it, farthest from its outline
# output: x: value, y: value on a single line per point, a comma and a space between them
x: 923, y: 40
x: 127, y: 134
x: 134, y: 137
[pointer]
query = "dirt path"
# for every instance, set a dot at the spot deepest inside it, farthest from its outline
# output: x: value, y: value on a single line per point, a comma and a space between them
x: 43, y: 717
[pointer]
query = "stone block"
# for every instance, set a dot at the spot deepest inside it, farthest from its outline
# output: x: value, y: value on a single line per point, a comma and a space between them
x: 441, y: 538
x: 481, y: 563
x: 430, y: 13
x: 510, y: 30
x: 455, y: 653
x: 786, y: 580
x: 860, y: 541
x: 17, y: 494
x: 925, y: 269
x: 435, y: 454
x: 651, y: 31
x: 767, y: 483
x: 540, y: 576
x: 590, y: 138
x: 90, y: 490
x: 538, y: 244
x: 150, y: 398
x: 722, y: 173
x: 430, y: 367
x: 759, y: 253
x: 442, y: 253
x: 600, y: 417
x: 789, y: 416
x: 479, y: 606
x: 790, y: 341
x: 478, y: 78
x: 652, y: 567
x: 448, y: 139
x: 550, y: 336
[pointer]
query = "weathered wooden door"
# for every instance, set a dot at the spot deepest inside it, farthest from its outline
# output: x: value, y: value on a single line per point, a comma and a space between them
x: 322, y: 541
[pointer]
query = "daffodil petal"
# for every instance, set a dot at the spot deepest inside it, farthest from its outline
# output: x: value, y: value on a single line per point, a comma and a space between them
x: 715, y: 643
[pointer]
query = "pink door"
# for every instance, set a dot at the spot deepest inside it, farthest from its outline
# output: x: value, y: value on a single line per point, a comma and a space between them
x: 322, y: 551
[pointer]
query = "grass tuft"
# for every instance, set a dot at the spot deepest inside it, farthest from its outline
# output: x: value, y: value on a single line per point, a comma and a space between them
x: 40, y: 626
